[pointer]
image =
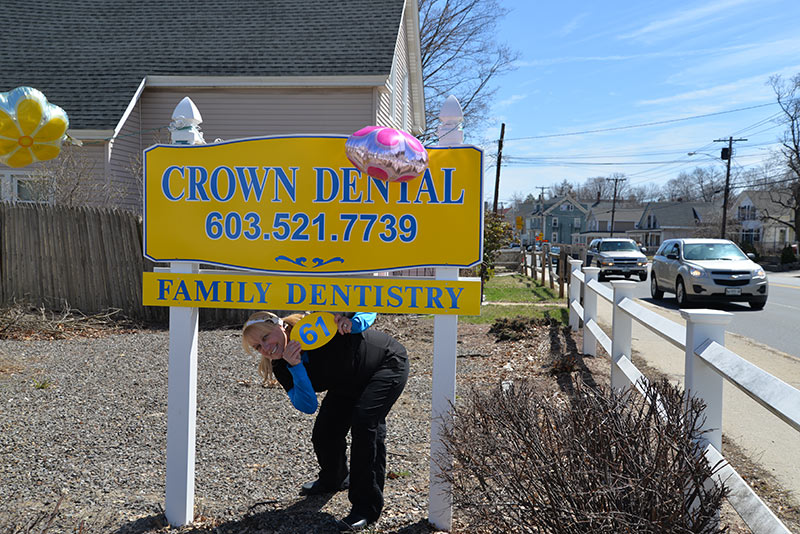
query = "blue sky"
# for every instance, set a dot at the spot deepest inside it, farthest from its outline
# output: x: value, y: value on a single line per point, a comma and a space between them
x: 613, y: 64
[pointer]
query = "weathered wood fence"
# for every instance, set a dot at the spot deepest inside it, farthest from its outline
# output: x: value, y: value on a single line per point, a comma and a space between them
x: 87, y: 259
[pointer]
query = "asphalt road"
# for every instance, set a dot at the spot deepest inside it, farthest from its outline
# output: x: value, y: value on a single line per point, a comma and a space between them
x: 777, y: 325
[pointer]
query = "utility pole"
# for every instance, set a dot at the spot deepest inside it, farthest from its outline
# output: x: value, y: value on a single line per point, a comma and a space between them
x: 728, y: 155
x: 614, y: 202
x: 499, y: 158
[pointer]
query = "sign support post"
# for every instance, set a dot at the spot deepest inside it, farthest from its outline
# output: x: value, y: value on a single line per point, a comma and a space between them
x: 445, y: 334
x: 182, y: 374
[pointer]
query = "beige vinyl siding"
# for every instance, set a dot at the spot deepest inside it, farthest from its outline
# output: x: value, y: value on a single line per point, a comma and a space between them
x: 239, y: 113
x: 394, y: 86
x: 125, y: 168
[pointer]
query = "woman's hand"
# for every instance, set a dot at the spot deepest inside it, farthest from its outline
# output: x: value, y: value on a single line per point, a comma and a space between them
x: 343, y: 324
x: 292, y: 352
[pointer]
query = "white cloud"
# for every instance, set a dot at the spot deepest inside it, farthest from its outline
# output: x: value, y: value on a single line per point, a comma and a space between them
x: 572, y: 25
x: 513, y: 99
x: 684, y: 20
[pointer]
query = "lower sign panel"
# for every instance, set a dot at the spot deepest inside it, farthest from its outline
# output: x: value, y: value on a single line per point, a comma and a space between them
x: 371, y: 294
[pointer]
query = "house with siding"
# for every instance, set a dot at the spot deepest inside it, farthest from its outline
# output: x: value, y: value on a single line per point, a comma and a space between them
x: 598, y: 221
x: 667, y: 220
x: 555, y: 220
x: 754, y: 213
x: 252, y: 67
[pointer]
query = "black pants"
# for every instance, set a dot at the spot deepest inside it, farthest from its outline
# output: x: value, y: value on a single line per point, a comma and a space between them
x: 363, y: 412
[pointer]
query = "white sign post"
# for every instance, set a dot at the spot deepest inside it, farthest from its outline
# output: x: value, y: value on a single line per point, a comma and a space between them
x: 445, y: 333
x: 182, y: 374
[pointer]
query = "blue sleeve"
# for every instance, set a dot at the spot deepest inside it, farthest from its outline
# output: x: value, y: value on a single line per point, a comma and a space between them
x: 302, y: 393
x: 362, y: 321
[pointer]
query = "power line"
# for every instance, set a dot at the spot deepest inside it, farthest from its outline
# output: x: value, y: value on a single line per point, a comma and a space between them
x: 642, y: 125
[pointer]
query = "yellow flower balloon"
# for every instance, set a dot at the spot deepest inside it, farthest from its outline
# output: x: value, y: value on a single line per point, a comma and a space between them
x: 31, y: 129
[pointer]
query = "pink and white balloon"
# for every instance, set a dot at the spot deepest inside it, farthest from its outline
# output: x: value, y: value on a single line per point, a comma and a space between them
x: 386, y: 154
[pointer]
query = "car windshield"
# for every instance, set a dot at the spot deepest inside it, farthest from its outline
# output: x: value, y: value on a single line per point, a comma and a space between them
x: 712, y: 251
x: 618, y: 245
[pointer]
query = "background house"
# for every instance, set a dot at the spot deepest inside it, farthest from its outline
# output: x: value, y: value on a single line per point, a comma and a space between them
x: 598, y: 221
x: 555, y: 220
x: 253, y: 68
x: 667, y: 220
x: 749, y: 212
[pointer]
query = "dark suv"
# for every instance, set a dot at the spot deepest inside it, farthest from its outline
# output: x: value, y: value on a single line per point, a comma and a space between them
x: 617, y: 256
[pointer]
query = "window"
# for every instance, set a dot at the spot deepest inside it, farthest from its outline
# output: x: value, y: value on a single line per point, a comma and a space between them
x: 555, y: 222
x: 746, y: 213
x: 20, y: 187
x: 751, y: 235
x: 576, y: 222
x: 782, y: 236
x: 566, y: 206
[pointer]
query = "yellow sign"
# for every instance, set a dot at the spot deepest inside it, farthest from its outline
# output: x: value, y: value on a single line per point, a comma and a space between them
x: 295, y: 204
x: 519, y: 222
x: 314, y: 330
x: 311, y: 293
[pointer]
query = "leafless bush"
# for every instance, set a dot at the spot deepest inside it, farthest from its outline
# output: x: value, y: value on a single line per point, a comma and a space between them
x: 595, y: 462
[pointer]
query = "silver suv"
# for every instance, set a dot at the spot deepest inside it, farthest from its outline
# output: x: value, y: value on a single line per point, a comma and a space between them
x: 707, y: 269
x: 617, y: 256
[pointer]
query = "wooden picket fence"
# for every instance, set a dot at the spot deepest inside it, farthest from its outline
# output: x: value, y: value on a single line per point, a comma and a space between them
x: 86, y: 259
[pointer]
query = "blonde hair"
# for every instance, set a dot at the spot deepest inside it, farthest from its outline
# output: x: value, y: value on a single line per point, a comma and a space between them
x: 263, y: 323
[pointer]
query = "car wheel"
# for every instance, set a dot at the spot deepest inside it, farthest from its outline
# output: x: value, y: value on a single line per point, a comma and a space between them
x: 680, y: 294
x: 642, y: 277
x: 758, y: 303
x: 654, y: 291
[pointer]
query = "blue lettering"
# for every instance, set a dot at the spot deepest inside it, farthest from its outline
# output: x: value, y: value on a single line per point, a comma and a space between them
x: 165, y: 183
x: 182, y: 291
x: 316, y: 294
x: 381, y: 186
x: 301, y: 291
x: 251, y: 183
x: 395, y: 293
x: 448, y: 188
x: 362, y: 292
x: 242, y: 285
x: 290, y: 186
x: 262, y: 292
x: 454, y: 297
x: 198, y: 176
x: 202, y: 294
x: 403, y: 193
x: 321, y: 173
x: 215, y: 184
x: 426, y: 186
x: 378, y: 295
x: 228, y: 291
x: 350, y: 184
x: 344, y: 296
x: 163, y: 288
x: 434, y: 298
x: 413, y: 290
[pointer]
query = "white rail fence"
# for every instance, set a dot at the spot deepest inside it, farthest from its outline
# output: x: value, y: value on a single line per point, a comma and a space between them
x: 708, y: 363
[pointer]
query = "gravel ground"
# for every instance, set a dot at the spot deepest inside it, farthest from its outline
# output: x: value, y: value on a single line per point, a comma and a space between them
x: 84, y: 420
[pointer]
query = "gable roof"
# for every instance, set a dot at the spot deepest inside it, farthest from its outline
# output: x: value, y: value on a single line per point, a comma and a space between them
x: 677, y: 214
x: 566, y: 198
x: 90, y: 56
x: 773, y: 202
x: 602, y: 210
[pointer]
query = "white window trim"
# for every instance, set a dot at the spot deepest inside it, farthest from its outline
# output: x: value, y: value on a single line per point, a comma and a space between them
x: 9, y: 186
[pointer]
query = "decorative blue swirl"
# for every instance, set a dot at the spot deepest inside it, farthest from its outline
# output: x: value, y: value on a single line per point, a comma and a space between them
x: 300, y: 262
x: 319, y: 262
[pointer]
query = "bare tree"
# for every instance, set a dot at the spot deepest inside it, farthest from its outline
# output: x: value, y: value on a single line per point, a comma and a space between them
x: 461, y: 55
x: 785, y: 189
x: 597, y: 188
x: 72, y: 180
x: 561, y: 189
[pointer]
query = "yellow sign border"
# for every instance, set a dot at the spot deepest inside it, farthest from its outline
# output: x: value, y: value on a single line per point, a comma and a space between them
x: 296, y: 232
